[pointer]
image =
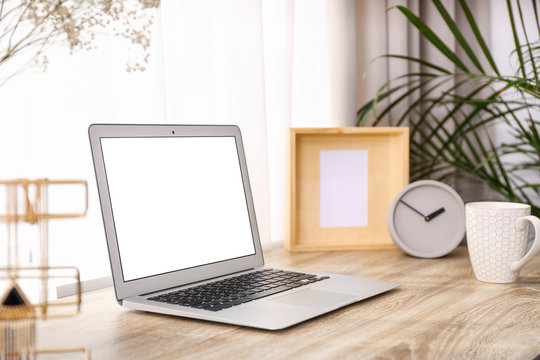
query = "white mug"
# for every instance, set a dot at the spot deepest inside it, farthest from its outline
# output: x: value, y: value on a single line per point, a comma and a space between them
x: 497, y: 237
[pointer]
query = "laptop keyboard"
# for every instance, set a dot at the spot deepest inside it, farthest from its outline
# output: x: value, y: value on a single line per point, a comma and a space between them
x: 223, y: 294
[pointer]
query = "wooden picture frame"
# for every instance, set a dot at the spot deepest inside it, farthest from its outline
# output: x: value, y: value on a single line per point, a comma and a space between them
x: 386, y: 150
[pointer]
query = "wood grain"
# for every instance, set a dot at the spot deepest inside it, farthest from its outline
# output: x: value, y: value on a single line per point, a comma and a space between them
x: 440, y: 312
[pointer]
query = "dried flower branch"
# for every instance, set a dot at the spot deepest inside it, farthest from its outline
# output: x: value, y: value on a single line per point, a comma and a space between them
x: 29, y: 27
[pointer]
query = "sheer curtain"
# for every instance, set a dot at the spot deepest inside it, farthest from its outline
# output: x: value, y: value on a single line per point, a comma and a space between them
x: 265, y: 65
x: 261, y: 64
x: 214, y: 74
x: 44, y: 117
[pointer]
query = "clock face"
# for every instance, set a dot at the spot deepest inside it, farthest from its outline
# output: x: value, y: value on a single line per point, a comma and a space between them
x: 427, y: 219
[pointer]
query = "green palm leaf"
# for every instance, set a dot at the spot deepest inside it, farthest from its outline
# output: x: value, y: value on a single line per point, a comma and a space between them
x: 449, y: 119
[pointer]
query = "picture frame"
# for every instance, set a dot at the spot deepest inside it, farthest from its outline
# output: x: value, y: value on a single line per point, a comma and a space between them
x: 342, y: 183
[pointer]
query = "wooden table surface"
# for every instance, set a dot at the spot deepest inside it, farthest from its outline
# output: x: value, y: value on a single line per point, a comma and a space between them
x: 440, y: 312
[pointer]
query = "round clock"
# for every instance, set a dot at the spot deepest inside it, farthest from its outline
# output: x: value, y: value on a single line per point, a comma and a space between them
x: 427, y: 219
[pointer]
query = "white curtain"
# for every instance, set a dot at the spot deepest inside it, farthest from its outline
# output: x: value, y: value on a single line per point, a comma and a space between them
x: 214, y: 74
x: 261, y: 64
x: 309, y: 82
x: 44, y: 117
x: 265, y: 65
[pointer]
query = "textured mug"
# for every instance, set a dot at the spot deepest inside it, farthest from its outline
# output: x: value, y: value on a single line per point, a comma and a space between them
x: 497, y: 237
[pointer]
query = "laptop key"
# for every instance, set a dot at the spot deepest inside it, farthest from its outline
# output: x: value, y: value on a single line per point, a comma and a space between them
x: 297, y: 284
x: 227, y: 304
x: 306, y: 276
x: 269, y: 292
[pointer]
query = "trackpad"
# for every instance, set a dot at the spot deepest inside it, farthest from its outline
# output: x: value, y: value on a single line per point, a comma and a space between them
x: 313, y: 298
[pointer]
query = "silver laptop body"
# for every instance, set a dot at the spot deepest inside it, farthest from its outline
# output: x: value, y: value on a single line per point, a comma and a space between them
x: 178, y: 212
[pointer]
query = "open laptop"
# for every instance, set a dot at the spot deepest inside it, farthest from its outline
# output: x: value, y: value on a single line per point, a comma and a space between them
x: 182, y: 234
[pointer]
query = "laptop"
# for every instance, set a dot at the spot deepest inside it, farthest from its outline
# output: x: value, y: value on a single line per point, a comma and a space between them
x: 182, y: 234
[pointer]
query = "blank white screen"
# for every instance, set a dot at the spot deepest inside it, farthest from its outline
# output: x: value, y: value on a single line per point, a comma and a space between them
x: 177, y: 202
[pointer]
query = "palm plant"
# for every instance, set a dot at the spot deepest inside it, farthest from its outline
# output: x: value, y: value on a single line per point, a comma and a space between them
x: 450, y: 109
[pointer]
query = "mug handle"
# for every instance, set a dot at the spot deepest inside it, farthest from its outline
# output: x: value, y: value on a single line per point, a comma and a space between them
x: 521, y: 222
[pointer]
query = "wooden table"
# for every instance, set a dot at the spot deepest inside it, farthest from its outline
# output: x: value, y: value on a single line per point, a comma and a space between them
x: 440, y: 312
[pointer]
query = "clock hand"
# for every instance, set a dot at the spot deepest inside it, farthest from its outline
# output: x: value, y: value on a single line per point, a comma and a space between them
x: 413, y: 209
x: 434, y: 214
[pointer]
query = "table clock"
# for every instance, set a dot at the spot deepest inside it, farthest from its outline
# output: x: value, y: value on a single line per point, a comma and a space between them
x: 427, y: 219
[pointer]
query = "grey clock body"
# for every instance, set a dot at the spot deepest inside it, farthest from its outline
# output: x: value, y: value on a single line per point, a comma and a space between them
x: 427, y: 219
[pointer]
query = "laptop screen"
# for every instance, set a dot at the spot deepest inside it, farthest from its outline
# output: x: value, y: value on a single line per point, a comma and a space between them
x: 177, y: 202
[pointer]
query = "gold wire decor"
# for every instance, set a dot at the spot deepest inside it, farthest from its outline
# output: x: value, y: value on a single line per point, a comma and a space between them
x: 27, y: 201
